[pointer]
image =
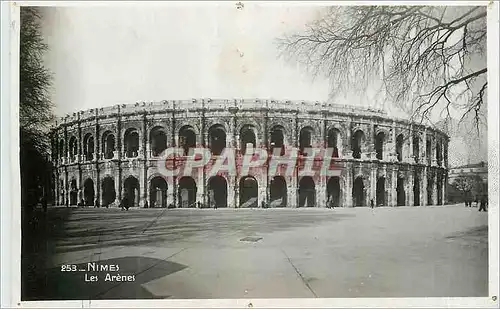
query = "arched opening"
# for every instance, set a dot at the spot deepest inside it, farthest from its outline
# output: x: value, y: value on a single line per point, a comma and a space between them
x: 379, y: 145
x: 247, y: 138
x: 277, y: 139
x: 131, y: 143
x: 416, y: 148
x: 278, y: 192
x: 333, y: 141
x: 187, y: 139
x: 73, y: 193
x: 249, y: 192
x: 108, y: 145
x: 307, y: 192
x: 438, y: 154
x: 108, y: 191
x: 88, y: 192
x: 333, y: 191
x: 358, y: 138
x: 131, y: 192
x: 61, y: 149
x: 400, y: 192
x: 439, y: 186
x: 381, y: 196
x: 305, y: 139
x: 217, y: 139
x: 399, y: 147
x: 428, y: 151
x: 430, y: 187
x: 358, y: 192
x: 217, y: 191
x: 73, y: 148
x: 158, y: 140
x: 158, y: 192
x: 88, y: 147
x: 416, y: 189
x: 187, y: 192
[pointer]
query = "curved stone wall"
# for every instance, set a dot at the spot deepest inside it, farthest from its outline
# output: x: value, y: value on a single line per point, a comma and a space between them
x: 103, y: 154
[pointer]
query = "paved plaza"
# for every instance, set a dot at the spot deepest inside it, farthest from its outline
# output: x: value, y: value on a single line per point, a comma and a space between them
x: 260, y: 253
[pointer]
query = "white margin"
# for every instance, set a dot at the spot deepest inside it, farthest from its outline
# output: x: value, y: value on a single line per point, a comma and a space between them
x: 10, y: 179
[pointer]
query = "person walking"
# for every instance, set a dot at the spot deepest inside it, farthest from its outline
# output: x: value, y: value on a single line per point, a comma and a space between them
x: 372, y: 204
x: 482, y: 205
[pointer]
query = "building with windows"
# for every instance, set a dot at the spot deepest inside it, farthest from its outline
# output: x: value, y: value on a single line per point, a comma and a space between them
x: 104, y: 155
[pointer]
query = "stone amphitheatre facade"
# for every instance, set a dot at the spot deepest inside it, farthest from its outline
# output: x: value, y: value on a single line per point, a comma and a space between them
x: 103, y: 154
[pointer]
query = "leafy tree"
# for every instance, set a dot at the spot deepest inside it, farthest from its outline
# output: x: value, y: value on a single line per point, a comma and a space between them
x: 35, y: 109
x: 428, y: 58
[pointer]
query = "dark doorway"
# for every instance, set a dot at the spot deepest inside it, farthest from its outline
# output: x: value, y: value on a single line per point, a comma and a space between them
x: 400, y: 192
x: 277, y: 139
x: 381, y: 200
x: 358, y: 138
x: 333, y: 141
x: 187, y: 138
x: 307, y: 192
x: 158, y: 139
x: 73, y: 194
x: 217, y: 191
x: 416, y: 190
x: 399, y: 147
x: 305, y: 139
x: 247, y: 138
x: 278, y: 192
x: 439, y: 189
x: 108, y: 191
x: 379, y: 145
x: 358, y: 192
x: 416, y: 148
x: 333, y: 191
x: 108, y: 145
x: 187, y: 192
x: 131, y: 191
x: 217, y: 139
x: 430, y: 187
x: 158, y: 192
x: 249, y: 192
x: 131, y: 143
x: 88, y: 147
x: 88, y: 192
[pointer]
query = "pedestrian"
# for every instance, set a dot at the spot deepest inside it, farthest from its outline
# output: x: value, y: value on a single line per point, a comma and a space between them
x: 482, y: 205
x: 372, y: 204
x: 146, y: 205
x: 96, y: 203
x: 215, y: 205
x: 199, y: 204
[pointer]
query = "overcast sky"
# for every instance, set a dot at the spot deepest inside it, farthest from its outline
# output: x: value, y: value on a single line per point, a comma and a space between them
x: 105, y: 55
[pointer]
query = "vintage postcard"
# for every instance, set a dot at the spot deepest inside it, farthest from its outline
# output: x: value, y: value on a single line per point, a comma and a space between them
x: 251, y: 154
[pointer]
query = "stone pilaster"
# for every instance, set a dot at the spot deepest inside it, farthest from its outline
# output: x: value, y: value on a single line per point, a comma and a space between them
x: 394, y: 179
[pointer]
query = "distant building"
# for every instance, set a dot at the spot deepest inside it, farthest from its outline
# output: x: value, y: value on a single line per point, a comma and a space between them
x: 480, y: 169
x: 474, y: 171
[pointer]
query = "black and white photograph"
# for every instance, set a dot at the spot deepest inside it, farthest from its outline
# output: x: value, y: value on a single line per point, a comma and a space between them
x: 252, y: 151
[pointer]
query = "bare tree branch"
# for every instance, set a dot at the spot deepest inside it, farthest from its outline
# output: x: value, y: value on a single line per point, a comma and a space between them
x: 427, y: 57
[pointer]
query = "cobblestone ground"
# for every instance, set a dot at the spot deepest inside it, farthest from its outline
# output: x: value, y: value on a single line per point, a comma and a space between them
x: 258, y: 253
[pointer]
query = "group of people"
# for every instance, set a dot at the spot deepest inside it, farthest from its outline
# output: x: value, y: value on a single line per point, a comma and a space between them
x: 483, y: 203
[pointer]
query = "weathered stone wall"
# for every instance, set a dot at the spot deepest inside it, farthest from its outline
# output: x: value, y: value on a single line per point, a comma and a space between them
x: 423, y: 173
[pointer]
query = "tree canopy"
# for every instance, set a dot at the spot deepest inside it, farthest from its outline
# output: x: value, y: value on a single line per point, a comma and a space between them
x: 427, y: 58
x: 35, y: 107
